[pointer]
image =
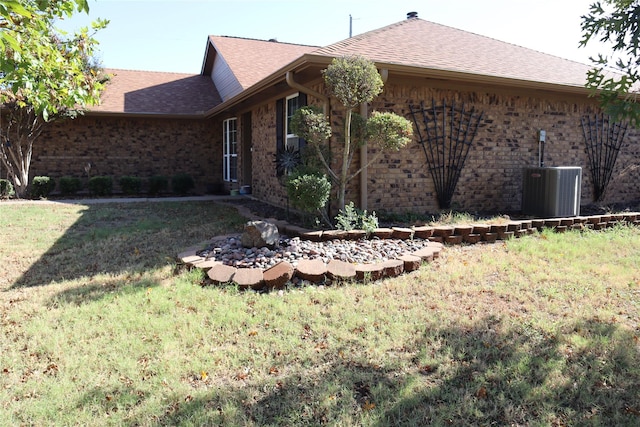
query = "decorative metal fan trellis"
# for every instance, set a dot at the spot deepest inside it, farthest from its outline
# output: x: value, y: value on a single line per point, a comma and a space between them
x: 603, y: 138
x: 446, y: 134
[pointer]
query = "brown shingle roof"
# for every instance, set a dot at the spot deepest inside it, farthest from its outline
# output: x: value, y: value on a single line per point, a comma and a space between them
x: 419, y: 43
x: 252, y: 60
x: 146, y: 92
x: 409, y: 43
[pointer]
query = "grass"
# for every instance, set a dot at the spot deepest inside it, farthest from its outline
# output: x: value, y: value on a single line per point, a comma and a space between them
x: 445, y: 218
x: 99, y: 329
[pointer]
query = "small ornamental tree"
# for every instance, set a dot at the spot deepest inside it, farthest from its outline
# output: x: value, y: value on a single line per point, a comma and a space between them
x: 45, y: 75
x: 353, y: 80
x: 615, y: 22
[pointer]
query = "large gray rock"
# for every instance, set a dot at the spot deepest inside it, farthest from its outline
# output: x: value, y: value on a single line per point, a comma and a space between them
x: 260, y: 234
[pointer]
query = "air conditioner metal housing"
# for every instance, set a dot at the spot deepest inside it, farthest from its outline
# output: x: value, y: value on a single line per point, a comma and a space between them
x: 550, y: 192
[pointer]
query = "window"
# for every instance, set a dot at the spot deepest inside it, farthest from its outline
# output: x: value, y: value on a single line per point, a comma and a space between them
x: 285, y: 138
x: 292, y: 141
x: 230, y: 150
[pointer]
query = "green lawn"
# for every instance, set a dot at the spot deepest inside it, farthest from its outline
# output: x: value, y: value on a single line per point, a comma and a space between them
x: 99, y: 328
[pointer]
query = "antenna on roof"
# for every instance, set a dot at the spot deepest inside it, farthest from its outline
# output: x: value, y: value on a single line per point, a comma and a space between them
x: 350, y: 25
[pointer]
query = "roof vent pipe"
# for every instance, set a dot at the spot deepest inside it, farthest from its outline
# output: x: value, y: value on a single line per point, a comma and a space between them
x: 412, y: 15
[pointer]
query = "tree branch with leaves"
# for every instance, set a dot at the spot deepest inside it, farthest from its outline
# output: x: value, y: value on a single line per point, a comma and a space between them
x: 615, y: 76
x: 46, y: 75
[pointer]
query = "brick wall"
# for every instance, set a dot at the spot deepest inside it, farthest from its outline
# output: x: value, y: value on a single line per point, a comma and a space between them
x: 132, y: 146
x: 266, y: 185
x: 506, y: 142
x: 491, y: 180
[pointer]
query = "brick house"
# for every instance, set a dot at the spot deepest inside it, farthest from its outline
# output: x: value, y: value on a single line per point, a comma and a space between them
x: 225, y: 125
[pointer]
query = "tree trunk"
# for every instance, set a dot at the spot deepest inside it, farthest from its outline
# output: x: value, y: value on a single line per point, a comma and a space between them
x: 16, y: 147
x: 342, y: 185
x: 16, y: 158
x: 342, y: 189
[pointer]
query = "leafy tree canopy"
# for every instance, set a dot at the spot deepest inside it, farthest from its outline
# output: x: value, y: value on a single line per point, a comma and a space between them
x: 45, y: 74
x: 15, y: 13
x: 614, y: 77
x: 353, y: 80
x: 44, y: 69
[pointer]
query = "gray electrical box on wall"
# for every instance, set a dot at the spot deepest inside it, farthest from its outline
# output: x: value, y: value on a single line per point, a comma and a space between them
x: 550, y: 192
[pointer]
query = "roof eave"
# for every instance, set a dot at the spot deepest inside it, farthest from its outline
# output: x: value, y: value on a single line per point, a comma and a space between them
x: 407, y: 70
x: 462, y: 77
x: 140, y: 115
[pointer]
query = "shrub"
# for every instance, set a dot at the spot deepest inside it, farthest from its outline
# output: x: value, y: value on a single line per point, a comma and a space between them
x: 369, y: 223
x: 130, y: 184
x: 101, y: 185
x: 42, y: 186
x: 308, y: 192
x: 182, y: 183
x: 347, y: 219
x: 6, y: 189
x: 70, y: 185
x: 351, y: 218
x: 158, y: 184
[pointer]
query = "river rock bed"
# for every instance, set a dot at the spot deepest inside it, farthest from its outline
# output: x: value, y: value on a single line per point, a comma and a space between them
x: 229, y: 251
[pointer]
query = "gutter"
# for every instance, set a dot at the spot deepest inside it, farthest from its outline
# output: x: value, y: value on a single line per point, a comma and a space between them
x: 139, y: 115
x: 483, y: 79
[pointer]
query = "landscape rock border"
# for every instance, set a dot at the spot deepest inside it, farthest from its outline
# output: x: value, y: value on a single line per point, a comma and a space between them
x: 318, y: 272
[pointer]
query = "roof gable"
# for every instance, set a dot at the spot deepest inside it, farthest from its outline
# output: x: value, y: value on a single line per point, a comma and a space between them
x: 418, y: 43
x: 251, y: 60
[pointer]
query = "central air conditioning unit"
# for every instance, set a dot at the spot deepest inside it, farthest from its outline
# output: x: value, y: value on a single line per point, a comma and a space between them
x: 549, y: 192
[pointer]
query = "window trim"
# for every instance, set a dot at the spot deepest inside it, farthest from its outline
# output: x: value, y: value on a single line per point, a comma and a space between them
x: 229, y: 149
x: 288, y: 135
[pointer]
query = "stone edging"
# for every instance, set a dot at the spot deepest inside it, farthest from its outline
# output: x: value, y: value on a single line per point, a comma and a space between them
x: 312, y: 270
x: 317, y: 271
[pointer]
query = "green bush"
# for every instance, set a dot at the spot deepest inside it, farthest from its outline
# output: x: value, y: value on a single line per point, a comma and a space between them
x: 42, y: 186
x: 70, y: 185
x: 101, y: 185
x: 182, y: 183
x: 158, y: 184
x: 130, y: 184
x: 352, y: 218
x: 308, y: 192
x: 6, y: 189
x: 369, y: 223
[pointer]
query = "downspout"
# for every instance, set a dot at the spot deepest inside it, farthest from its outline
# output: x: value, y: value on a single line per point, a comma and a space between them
x: 290, y: 78
x: 364, y: 197
x: 364, y: 157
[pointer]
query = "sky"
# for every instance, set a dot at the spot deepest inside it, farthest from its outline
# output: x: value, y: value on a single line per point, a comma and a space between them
x: 163, y: 35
